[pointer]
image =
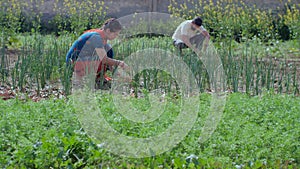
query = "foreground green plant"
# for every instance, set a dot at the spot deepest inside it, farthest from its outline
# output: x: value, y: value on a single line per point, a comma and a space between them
x: 255, y: 132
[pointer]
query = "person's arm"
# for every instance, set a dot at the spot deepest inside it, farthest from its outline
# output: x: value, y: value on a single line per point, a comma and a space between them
x: 113, y: 62
x: 186, y: 39
x: 109, y: 61
x: 207, y: 37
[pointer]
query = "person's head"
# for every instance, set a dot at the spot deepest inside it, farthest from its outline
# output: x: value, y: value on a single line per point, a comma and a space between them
x: 196, y: 22
x: 112, y: 28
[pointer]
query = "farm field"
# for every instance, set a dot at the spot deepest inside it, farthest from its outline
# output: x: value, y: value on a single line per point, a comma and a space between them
x: 259, y: 127
x: 255, y: 132
x: 36, y: 72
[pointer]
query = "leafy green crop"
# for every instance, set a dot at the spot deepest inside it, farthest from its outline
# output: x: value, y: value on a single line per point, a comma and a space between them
x: 255, y: 132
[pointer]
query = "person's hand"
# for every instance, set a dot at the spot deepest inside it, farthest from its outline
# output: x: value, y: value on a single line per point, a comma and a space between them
x: 206, y: 34
x: 124, y: 66
x: 121, y: 64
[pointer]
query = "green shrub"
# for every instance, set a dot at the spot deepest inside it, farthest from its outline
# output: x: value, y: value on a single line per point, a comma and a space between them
x: 77, y: 16
x: 234, y: 19
x: 70, y: 15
